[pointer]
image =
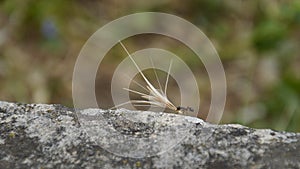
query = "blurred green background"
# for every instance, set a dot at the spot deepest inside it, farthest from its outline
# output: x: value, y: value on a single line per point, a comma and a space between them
x: 258, y: 42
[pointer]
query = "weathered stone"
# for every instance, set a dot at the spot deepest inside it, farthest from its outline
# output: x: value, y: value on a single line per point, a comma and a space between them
x: 53, y: 136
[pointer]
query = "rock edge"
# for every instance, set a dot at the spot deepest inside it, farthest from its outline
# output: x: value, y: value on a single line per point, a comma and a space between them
x: 54, y: 136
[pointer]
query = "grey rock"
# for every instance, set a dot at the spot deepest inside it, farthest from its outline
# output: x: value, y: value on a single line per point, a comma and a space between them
x: 54, y: 136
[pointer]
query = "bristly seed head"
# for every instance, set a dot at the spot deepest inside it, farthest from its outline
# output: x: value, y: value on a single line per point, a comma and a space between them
x: 156, y: 97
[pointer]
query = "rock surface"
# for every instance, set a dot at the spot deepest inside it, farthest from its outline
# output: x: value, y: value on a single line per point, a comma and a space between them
x: 53, y: 136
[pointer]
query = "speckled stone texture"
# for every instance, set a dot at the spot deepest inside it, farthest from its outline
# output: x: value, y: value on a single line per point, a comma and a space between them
x: 53, y: 136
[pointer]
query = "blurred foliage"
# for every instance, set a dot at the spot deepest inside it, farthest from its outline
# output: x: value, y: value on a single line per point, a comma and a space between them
x: 257, y: 40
